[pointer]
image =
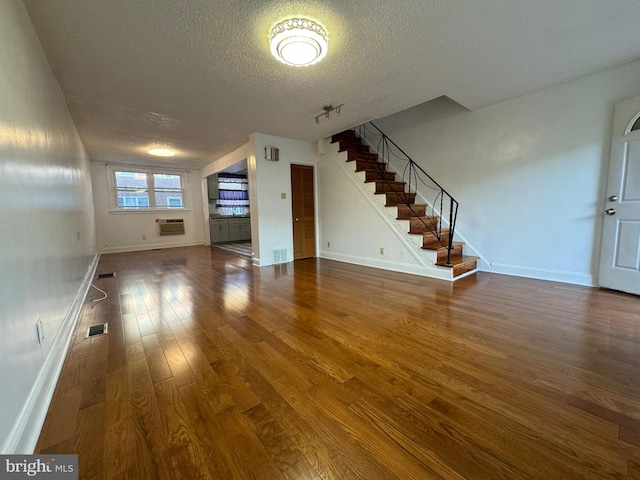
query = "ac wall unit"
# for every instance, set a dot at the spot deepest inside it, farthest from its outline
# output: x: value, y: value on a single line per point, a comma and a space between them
x: 171, y: 226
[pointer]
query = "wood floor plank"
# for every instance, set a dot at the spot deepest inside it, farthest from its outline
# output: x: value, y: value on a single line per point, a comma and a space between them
x: 149, y: 440
x: 206, y: 429
x: 177, y: 363
x: 63, y: 413
x: 187, y: 457
x: 119, y: 452
x: 386, y: 451
x: 215, y: 368
x: 89, y: 441
x: 321, y: 452
x: 280, y: 447
x: 207, y: 378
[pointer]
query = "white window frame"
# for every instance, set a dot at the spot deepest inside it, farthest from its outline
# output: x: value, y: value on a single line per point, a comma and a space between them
x: 149, y: 172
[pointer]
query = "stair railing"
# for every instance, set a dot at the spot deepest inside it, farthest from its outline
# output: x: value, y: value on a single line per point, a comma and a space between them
x: 440, y: 204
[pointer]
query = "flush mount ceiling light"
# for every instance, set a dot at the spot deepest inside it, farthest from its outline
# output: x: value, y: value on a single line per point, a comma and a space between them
x: 161, y: 152
x: 298, y: 42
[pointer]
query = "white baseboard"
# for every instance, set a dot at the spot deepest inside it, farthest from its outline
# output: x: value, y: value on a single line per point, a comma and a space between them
x: 441, y: 274
x: 575, y: 278
x: 24, y: 435
x: 153, y: 246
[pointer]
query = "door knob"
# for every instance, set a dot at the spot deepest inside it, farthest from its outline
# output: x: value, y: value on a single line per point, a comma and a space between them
x: 613, y: 198
x: 610, y: 211
x: 296, y: 219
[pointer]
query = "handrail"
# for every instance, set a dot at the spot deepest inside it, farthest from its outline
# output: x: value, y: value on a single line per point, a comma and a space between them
x: 442, y: 204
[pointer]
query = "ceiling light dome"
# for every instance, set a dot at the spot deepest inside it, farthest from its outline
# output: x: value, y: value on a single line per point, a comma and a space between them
x: 161, y: 152
x: 298, y: 42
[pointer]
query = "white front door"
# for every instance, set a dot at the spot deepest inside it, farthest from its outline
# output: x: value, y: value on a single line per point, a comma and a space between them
x: 620, y: 257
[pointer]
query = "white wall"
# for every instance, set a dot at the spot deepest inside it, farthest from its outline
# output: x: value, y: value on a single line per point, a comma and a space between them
x: 270, y: 212
x: 529, y: 172
x: 120, y: 231
x: 48, y: 235
x: 355, y: 232
x: 271, y: 220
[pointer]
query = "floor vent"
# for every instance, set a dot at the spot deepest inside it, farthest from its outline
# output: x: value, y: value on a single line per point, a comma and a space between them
x: 280, y: 256
x: 96, y: 330
x: 107, y: 275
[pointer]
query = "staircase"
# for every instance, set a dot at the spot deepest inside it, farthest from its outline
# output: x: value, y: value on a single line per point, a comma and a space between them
x: 424, y: 222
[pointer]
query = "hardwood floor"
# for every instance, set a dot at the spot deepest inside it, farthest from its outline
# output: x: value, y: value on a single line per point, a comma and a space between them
x: 215, y: 369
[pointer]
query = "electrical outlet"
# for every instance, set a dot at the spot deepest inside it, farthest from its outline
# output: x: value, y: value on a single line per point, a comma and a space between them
x: 39, y: 332
x: 381, y: 251
x: 328, y: 244
x: 144, y: 237
x: 283, y: 196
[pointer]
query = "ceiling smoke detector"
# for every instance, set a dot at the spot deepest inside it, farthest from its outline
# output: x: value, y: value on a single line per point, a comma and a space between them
x: 298, y: 42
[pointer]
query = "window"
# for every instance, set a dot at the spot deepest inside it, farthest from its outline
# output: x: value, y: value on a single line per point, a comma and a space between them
x: 233, y: 194
x: 145, y: 190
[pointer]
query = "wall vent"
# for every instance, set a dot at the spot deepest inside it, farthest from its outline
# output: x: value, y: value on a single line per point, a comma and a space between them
x: 280, y: 256
x: 171, y: 226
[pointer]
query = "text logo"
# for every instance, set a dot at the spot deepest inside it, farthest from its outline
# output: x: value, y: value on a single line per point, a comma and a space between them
x: 53, y: 467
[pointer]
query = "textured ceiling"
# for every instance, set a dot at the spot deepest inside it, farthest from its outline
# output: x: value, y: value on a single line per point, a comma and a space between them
x: 197, y: 75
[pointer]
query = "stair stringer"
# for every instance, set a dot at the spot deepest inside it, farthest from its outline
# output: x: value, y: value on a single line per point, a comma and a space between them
x: 412, y: 243
x: 457, y: 237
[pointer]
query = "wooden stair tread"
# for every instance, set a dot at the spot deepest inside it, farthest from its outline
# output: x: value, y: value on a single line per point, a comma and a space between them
x: 396, y: 198
x: 444, y: 247
x: 365, y: 165
x: 461, y: 265
x: 375, y: 176
x: 384, y: 186
x: 421, y: 224
x: 369, y: 157
x: 415, y: 207
x: 458, y: 260
x: 390, y: 182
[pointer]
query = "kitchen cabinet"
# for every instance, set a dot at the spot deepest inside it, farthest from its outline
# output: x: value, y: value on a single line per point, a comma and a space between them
x: 234, y: 229
x: 245, y: 229
x: 212, y: 187
x: 230, y: 229
x: 219, y: 229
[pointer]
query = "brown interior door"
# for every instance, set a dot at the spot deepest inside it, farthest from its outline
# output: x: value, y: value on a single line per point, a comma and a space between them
x: 303, y: 211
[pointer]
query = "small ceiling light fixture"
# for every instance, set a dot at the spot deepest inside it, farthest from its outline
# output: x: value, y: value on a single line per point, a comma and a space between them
x: 161, y: 152
x: 298, y: 42
x: 327, y: 110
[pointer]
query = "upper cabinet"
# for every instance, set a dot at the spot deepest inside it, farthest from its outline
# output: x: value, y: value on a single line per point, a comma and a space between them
x: 212, y: 185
